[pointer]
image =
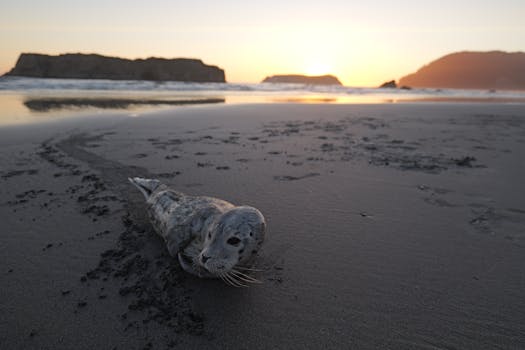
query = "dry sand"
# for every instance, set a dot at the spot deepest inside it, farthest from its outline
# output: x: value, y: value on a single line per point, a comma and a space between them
x: 390, y: 226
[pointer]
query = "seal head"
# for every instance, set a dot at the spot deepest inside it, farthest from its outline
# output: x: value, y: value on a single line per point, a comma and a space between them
x: 233, y: 240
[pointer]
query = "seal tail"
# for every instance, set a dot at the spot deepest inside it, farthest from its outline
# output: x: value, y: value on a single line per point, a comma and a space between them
x: 146, y: 186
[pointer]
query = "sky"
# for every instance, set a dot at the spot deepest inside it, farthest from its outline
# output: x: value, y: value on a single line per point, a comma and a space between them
x: 363, y: 43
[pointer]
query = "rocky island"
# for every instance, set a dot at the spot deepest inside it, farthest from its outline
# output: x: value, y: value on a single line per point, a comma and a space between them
x: 472, y: 70
x: 92, y: 66
x: 391, y: 84
x: 303, y: 79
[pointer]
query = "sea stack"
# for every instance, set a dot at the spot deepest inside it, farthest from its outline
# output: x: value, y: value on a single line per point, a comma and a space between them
x: 389, y: 85
x: 92, y: 66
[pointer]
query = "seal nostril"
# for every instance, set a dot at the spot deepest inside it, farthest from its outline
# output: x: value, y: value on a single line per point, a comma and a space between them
x: 233, y: 241
x: 204, y: 258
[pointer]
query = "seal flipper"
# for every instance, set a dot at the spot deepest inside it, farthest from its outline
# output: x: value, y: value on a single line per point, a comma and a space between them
x: 146, y: 186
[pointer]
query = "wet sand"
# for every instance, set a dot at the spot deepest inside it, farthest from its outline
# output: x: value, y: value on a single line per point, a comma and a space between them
x: 390, y: 226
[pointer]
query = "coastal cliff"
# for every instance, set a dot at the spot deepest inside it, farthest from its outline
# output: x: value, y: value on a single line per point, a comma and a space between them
x: 303, y: 79
x: 472, y: 70
x: 92, y: 66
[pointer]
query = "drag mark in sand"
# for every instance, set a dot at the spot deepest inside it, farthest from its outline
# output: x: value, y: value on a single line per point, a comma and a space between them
x: 149, y: 278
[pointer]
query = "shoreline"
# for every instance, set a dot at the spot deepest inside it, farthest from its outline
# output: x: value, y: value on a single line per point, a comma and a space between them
x: 26, y: 100
x: 390, y: 226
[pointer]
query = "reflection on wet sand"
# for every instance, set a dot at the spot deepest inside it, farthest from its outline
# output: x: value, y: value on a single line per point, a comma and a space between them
x: 47, y: 104
x: 375, y: 99
x: 306, y: 99
x: 466, y: 99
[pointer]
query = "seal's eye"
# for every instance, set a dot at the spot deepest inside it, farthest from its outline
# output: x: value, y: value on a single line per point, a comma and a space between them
x: 233, y: 241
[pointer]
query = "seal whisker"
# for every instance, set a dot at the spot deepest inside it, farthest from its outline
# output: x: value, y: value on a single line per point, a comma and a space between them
x: 224, y: 280
x: 248, y: 268
x: 237, y: 280
x: 233, y: 281
x: 241, y: 279
x: 245, y: 277
x: 197, y: 268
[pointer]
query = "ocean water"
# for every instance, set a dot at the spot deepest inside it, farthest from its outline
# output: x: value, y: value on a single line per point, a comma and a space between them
x: 30, y: 100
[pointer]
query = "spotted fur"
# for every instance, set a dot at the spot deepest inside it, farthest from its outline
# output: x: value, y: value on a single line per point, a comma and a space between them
x: 209, y: 236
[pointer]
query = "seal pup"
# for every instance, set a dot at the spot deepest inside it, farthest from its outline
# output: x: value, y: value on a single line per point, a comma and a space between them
x: 211, y: 238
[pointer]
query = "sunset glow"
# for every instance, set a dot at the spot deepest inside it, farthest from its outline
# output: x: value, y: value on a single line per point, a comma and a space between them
x: 318, y: 68
x: 362, y: 45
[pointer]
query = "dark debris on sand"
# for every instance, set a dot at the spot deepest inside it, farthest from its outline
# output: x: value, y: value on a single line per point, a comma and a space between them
x: 378, y: 148
x: 464, y: 161
x: 26, y: 196
x: 13, y: 173
x: 154, y: 287
x: 294, y: 178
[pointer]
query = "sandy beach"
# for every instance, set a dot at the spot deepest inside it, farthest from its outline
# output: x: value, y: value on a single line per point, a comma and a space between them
x: 391, y: 226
